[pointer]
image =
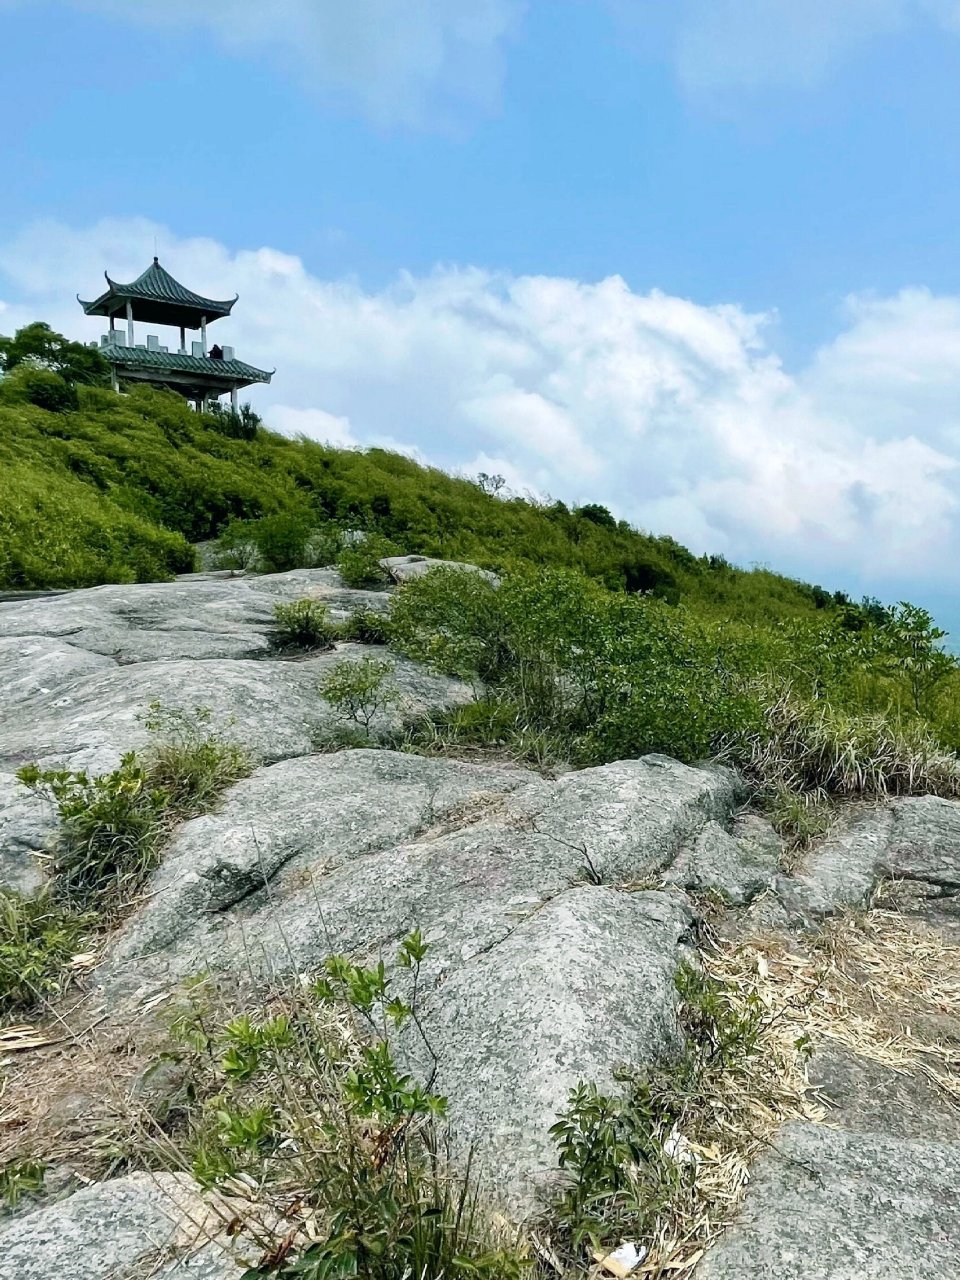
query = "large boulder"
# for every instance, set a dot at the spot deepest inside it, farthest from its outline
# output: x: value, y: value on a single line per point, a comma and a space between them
x: 405, y: 568
x: 548, y: 963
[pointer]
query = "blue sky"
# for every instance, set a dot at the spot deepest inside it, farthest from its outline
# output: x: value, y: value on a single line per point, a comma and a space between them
x: 696, y: 259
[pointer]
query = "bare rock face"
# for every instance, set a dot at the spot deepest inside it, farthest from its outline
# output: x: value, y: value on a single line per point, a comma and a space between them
x: 142, y: 1225
x: 831, y: 1205
x: 556, y: 911
x: 81, y: 667
x: 404, y: 568
x: 543, y: 968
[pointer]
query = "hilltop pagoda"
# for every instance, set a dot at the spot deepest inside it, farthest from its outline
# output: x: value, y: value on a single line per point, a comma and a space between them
x: 156, y: 298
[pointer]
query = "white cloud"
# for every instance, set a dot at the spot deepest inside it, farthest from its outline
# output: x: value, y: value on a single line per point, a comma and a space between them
x: 316, y: 424
x: 678, y: 416
x: 725, y: 47
x: 410, y: 63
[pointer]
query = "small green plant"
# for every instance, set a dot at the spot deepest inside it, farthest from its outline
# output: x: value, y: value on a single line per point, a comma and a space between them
x: 360, y: 689
x: 366, y: 626
x: 359, y: 564
x: 188, y: 760
x: 622, y: 1155
x: 38, y: 938
x: 332, y: 1130
x: 113, y: 825
x: 302, y: 624
x: 19, y: 1178
x: 800, y: 818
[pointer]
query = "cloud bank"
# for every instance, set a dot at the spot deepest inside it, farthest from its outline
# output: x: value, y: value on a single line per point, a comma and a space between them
x: 679, y: 416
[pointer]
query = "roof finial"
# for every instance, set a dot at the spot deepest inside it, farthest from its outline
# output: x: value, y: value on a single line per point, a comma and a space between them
x: 156, y: 261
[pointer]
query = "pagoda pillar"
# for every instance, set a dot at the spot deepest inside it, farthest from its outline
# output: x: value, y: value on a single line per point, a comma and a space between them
x: 233, y: 399
x: 183, y: 338
x: 129, y: 323
x: 203, y: 333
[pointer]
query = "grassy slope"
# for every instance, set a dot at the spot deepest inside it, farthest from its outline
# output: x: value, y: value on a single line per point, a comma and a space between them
x: 117, y: 491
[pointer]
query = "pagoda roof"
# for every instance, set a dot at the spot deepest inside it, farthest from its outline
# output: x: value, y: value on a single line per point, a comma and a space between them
x: 142, y: 362
x: 158, y: 299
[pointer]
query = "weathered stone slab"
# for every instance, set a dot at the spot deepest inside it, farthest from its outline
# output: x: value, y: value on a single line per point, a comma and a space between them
x: 404, y: 568
x: 829, y: 1205
x: 118, y: 1230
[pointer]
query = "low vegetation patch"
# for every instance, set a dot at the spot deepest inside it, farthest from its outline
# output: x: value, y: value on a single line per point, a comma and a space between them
x: 303, y: 625
x: 306, y: 1103
x: 810, y: 712
x: 113, y: 825
x: 112, y: 830
x: 360, y: 690
x: 39, y: 937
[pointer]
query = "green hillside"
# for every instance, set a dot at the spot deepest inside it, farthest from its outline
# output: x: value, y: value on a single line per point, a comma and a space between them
x: 100, y: 487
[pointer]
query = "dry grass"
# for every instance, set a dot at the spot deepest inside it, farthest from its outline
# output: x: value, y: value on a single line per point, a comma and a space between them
x: 812, y: 748
x: 878, y: 983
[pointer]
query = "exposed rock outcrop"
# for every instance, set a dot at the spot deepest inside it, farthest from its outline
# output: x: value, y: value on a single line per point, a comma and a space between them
x: 557, y: 912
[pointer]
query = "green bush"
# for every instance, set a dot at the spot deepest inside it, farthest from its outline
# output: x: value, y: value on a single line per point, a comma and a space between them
x: 39, y: 936
x: 612, y: 676
x: 366, y: 626
x: 302, y: 624
x: 359, y: 564
x: 40, y: 387
x: 113, y: 825
x: 360, y: 689
x: 812, y: 747
x: 330, y: 1129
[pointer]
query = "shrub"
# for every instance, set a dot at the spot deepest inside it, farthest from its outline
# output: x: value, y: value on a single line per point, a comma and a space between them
x: 366, y: 626
x: 333, y: 1132
x: 19, y: 1178
x: 282, y: 540
x: 40, y: 387
x: 113, y: 825
x: 360, y: 689
x: 625, y: 1177
x: 38, y: 939
x: 359, y: 564
x: 188, y: 761
x: 810, y: 746
x: 302, y: 624
x: 614, y: 676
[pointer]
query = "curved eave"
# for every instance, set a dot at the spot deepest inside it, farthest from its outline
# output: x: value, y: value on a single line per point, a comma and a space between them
x: 206, y: 306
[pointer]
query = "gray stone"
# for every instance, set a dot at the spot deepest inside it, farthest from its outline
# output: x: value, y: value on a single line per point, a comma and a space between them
x: 829, y: 1205
x: 289, y: 827
x: 198, y: 617
x: 114, y: 1230
x: 404, y: 568
x: 913, y: 838
x: 868, y: 1097
x: 42, y: 664
x: 630, y: 820
x: 27, y: 826
x: 925, y: 842
x: 844, y: 871
x: 273, y: 708
x: 738, y: 865
x: 529, y: 963
x: 578, y: 987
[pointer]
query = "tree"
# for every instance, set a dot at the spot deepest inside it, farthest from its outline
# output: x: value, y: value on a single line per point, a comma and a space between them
x: 490, y: 484
x: 908, y: 645
x: 39, y: 346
